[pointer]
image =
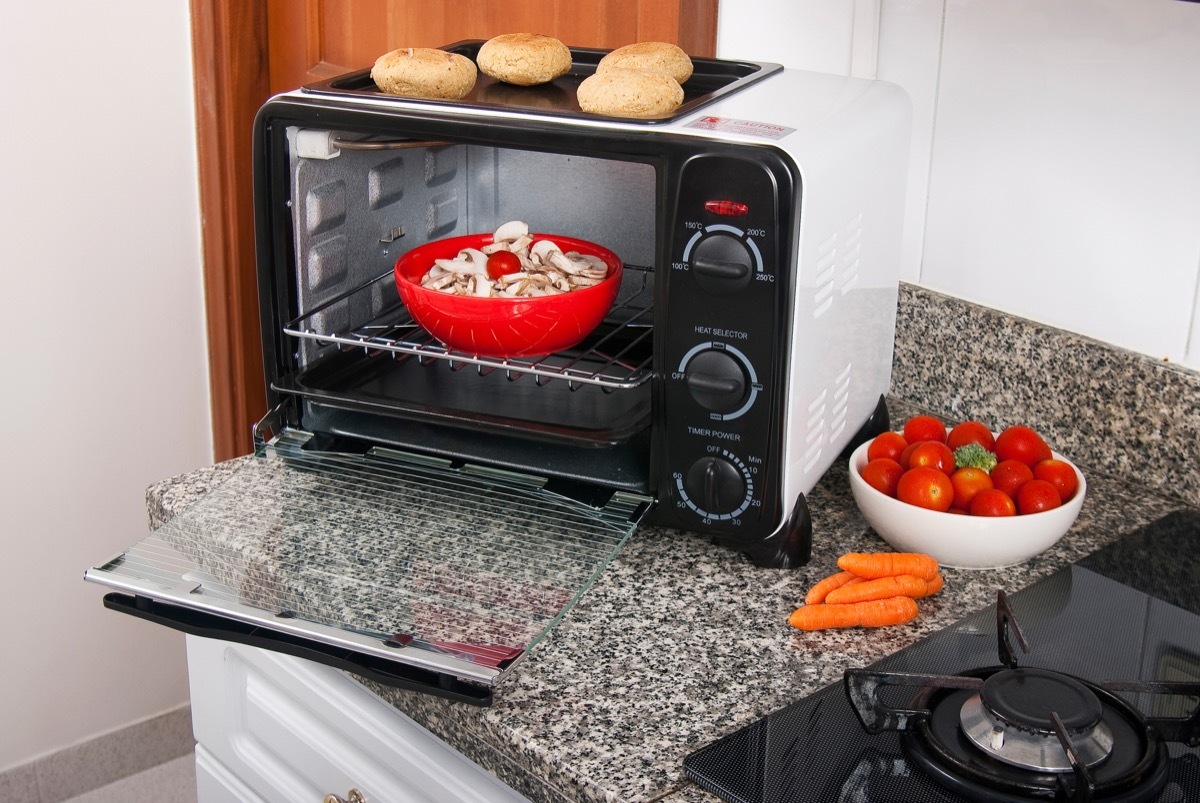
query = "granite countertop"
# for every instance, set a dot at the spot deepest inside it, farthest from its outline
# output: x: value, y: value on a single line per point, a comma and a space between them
x: 681, y: 641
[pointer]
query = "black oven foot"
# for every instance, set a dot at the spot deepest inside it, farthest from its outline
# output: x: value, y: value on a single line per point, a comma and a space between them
x: 788, y: 548
x: 878, y: 422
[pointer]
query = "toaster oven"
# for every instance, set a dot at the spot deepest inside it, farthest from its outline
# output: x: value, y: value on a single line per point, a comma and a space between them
x: 467, y: 500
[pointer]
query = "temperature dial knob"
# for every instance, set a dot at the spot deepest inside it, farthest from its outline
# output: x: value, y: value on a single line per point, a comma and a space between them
x: 717, y: 381
x: 716, y: 486
x: 722, y: 264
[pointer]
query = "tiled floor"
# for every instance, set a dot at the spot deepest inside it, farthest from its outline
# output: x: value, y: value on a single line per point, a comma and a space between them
x: 172, y: 782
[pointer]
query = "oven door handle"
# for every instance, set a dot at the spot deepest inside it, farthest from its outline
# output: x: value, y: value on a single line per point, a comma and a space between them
x: 380, y: 670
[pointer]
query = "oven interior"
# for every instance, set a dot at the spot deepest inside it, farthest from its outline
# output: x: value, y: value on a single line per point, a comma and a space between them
x: 359, y: 368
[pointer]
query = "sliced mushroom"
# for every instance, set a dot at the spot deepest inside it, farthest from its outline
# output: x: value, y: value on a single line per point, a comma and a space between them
x: 510, y: 231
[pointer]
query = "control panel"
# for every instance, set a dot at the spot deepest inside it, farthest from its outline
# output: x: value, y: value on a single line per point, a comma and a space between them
x: 724, y: 349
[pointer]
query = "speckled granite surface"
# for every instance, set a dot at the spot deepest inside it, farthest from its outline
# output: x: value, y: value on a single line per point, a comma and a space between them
x: 1105, y: 407
x: 680, y: 641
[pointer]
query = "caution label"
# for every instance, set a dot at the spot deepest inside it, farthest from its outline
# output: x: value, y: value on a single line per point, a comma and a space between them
x: 745, y: 127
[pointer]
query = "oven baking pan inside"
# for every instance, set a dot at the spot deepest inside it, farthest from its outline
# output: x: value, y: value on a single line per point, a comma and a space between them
x: 412, y: 572
x: 711, y: 79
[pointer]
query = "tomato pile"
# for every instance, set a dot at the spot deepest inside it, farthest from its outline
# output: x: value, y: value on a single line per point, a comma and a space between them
x: 967, y: 470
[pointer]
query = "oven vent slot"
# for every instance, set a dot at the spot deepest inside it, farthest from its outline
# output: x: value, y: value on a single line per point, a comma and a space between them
x: 617, y: 356
x: 837, y: 265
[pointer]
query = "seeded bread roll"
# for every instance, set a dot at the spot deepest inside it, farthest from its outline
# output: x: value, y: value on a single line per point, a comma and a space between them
x: 622, y: 92
x: 524, y: 59
x: 661, y: 57
x: 424, y: 72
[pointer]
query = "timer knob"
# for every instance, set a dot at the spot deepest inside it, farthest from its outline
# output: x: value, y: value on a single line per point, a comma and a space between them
x: 722, y: 264
x: 716, y: 380
x: 715, y: 485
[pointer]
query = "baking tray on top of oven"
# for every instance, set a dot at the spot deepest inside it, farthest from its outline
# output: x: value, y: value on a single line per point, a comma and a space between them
x: 711, y: 79
x: 595, y: 394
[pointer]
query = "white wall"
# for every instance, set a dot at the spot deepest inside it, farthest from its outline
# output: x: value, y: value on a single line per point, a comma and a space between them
x: 1055, y: 173
x: 103, y: 367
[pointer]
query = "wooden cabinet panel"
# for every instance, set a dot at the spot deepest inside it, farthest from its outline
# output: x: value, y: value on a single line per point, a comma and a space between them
x: 318, y: 39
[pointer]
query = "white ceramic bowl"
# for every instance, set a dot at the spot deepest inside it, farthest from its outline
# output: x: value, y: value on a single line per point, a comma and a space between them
x: 957, y: 540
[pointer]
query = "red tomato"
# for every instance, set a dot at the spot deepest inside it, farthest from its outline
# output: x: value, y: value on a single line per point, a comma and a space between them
x: 932, y: 454
x: 887, y: 444
x: 993, y: 502
x: 1019, y: 442
x: 1036, y: 496
x: 925, y: 487
x: 907, y: 453
x: 1059, y: 474
x: 503, y: 263
x: 924, y: 428
x: 968, y: 482
x: 971, y: 432
x: 1010, y: 475
x: 882, y: 474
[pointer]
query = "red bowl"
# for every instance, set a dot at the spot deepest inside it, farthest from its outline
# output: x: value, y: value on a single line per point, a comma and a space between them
x: 505, y: 327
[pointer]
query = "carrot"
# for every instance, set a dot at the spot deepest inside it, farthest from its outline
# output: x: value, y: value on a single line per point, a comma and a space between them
x: 901, y: 585
x: 817, y: 593
x: 873, y: 565
x: 875, y: 613
x: 933, y: 586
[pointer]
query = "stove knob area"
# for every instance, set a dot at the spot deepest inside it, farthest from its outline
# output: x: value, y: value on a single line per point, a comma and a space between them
x: 722, y: 264
x: 715, y: 487
x: 716, y: 380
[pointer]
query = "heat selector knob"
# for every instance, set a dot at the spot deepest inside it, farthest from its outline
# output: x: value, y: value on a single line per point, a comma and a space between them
x: 722, y: 264
x: 720, y: 378
x: 716, y: 380
x: 716, y: 487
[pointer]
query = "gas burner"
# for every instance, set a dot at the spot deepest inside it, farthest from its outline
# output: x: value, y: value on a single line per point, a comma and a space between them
x: 1010, y: 734
x: 1010, y: 720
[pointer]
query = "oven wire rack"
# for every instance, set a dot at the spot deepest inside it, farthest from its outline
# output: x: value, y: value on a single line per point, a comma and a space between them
x: 617, y: 356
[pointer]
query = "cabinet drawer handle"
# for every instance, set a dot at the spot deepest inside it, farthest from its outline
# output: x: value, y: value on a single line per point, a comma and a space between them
x: 353, y: 796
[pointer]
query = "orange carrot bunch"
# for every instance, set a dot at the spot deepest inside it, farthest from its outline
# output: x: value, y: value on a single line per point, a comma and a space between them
x: 872, y: 590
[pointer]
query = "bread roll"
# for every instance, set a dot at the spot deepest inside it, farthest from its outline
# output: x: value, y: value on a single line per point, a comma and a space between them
x: 622, y: 92
x: 524, y: 59
x: 660, y: 57
x: 424, y: 72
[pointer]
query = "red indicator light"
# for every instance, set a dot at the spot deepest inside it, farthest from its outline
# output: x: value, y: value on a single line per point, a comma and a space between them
x: 727, y: 208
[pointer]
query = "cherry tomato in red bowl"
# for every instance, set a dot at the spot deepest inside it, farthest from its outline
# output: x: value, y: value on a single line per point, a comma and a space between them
x: 962, y: 541
x: 502, y: 326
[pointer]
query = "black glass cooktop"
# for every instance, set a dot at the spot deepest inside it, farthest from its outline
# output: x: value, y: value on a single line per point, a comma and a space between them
x: 1130, y: 612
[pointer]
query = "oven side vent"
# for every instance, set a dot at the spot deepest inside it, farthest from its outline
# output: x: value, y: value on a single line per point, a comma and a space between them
x: 827, y: 417
x: 837, y: 265
x: 851, y: 248
x: 814, y: 431
x: 826, y: 265
x: 841, y: 404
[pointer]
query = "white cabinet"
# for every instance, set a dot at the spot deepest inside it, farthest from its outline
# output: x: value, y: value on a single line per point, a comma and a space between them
x: 275, y: 729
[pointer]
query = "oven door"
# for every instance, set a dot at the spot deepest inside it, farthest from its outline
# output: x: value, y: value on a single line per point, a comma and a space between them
x: 413, y: 572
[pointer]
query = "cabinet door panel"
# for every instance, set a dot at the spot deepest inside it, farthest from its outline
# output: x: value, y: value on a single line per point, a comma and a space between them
x: 289, y: 730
